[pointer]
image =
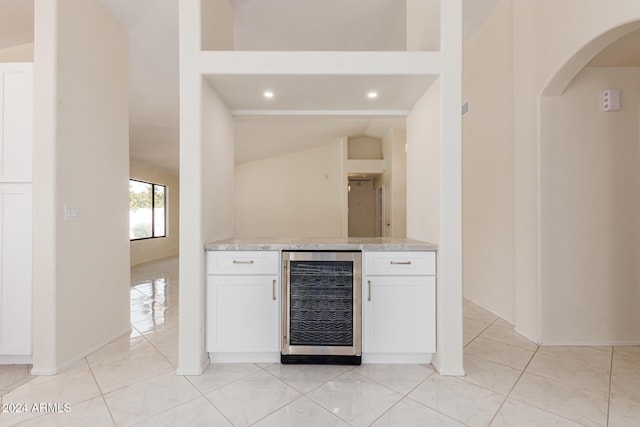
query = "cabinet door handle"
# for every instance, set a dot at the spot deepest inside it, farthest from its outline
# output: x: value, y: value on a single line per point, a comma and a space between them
x: 369, y: 293
x: 235, y: 261
x: 400, y: 262
x: 273, y: 289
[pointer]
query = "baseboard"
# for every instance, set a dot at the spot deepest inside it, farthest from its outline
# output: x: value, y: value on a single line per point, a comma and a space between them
x: 59, y: 368
x: 589, y: 343
x: 16, y: 359
x: 526, y: 335
x: 264, y: 357
x: 397, y: 358
x: 191, y: 371
x: 447, y: 372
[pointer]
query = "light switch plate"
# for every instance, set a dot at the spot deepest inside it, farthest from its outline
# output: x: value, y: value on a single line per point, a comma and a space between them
x: 70, y: 213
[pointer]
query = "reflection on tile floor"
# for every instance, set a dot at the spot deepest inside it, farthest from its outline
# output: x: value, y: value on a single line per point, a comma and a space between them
x: 510, y: 381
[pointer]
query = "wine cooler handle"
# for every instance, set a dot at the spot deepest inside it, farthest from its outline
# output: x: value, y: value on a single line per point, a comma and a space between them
x: 369, y: 293
x: 273, y: 289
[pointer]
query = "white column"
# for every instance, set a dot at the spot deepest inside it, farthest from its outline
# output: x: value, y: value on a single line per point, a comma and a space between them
x: 448, y: 359
x: 192, y: 357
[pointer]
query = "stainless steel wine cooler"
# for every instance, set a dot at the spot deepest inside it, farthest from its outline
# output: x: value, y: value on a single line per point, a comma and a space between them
x: 321, y: 307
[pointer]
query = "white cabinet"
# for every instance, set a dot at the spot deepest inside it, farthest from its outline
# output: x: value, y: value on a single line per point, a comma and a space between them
x: 16, y: 130
x: 243, y: 306
x: 15, y: 269
x: 398, y: 299
x: 16, y: 126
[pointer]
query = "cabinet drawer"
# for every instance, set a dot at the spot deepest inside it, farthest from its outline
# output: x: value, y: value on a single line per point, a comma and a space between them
x: 243, y: 262
x: 400, y: 263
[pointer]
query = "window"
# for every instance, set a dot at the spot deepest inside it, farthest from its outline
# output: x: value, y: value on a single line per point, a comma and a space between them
x: 147, y: 210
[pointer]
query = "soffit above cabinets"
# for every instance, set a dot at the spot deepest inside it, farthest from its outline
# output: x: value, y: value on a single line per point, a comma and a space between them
x: 335, y: 94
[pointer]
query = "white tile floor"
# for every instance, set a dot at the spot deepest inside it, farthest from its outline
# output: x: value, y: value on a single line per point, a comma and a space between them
x: 509, y: 382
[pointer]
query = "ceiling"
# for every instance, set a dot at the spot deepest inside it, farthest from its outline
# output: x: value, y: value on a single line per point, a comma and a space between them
x: 321, y: 92
x: 292, y: 24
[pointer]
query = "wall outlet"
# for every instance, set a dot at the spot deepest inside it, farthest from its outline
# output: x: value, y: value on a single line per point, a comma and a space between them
x: 611, y: 100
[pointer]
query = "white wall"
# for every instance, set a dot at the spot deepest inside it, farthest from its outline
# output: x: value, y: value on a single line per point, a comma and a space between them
x: 218, y: 167
x: 423, y: 167
x: 153, y: 249
x: 293, y: 195
x: 85, y: 163
x: 19, y: 53
x: 488, y: 195
x: 206, y: 189
x: 590, y: 212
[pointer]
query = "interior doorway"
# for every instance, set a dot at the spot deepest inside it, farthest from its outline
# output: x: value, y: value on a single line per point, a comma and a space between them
x: 365, y: 208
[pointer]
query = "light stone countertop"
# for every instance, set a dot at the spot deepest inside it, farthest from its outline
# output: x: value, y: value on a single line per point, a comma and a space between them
x: 320, y: 244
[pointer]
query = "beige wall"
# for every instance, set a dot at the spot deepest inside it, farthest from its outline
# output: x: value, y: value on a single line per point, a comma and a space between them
x: 153, y: 249
x: 294, y: 195
x: 363, y: 147
x: 81, y: 159
x: 488, y: 197
x: 544, y: 41
x: 590, y: 211
x: 217, y: 25
x: 19, y: 53
x: 423, y: 167
x: 526, y: 49
x: 419, y: 35
x: 218, y: 167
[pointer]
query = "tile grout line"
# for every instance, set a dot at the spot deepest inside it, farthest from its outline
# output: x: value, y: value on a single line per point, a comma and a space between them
x: 514, y: 386
x: 406, y: 396
x: 610, y: 382
x: 115, y: 423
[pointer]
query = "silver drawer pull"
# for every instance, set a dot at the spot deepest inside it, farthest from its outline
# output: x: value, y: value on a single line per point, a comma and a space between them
x: 400, y: 262
x: 369, y: 294
x: 273, y: 289
x: 235, y: 261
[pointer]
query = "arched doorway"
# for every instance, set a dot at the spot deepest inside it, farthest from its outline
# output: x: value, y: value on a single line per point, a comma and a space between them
x: 589, y: 197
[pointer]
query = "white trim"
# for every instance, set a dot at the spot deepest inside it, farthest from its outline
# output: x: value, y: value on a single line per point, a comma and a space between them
x: 264, y: 357
x: 589, y: 343
x: 397, y: 358
x: 319, y: 63
x: 526, y: 335
x: 354, y: 113
x: 452, y: 372
x: 8, y: 359
x: 199, y: 371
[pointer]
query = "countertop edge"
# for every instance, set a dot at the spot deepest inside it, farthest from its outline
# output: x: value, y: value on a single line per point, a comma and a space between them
x: 386, y: 245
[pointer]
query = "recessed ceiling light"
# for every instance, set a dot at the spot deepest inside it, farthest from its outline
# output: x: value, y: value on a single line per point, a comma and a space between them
x: 372, y: 94
x: 268, y: 94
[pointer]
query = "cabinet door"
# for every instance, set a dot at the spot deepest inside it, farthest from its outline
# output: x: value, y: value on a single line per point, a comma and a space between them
x: 399, y: 314
x: 15, y: 269
x: 242, y: 313
x: 16, y: 122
